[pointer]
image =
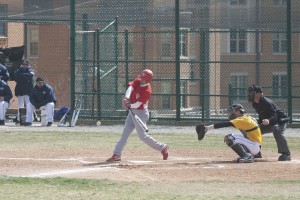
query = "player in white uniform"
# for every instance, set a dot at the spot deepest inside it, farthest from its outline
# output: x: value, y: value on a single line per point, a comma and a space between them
x: 136, y: 97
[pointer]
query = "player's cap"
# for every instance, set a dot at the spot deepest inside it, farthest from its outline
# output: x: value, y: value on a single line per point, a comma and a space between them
x: 25, y: 62
x: 236, y: 106
x: 39, y: 79
x: 255, y: 88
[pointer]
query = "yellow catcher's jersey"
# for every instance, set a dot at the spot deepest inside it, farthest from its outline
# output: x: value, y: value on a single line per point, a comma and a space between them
x: 248, y: 124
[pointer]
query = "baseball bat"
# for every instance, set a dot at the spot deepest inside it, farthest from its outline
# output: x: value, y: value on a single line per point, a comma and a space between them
x: 76, y: 112
x: 64, y: 119
x: 139, y: 121
x: 35, y: 117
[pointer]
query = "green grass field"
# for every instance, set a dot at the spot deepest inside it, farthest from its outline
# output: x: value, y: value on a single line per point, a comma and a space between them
x: 25, y: 188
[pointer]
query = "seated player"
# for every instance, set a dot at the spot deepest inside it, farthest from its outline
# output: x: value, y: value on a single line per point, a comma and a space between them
x: 42, y: 97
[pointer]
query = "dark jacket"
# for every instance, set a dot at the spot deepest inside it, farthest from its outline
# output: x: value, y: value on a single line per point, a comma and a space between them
x: 24, y: 79
x: 5, y: 91
x: 4, y: 73
x: 41, y: 96
x: 267, y: 109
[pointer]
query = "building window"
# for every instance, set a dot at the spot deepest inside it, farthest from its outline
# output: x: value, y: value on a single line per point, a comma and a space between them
x: 279, y: 2
x: 238, y: 2
x: 165, y: 97
x: 33, y: 41
x: 192, y: 71
x: 238, y: 41
x: 239, y: 86
x: 279, y: 42
x: 192, y: 45
x: 280, y: 85
x: 3, y: 25
x: 183, y: 42
x: 183, y: 91
x: 166, y: 45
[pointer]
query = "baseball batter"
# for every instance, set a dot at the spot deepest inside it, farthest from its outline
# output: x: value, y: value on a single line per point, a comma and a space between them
x: 246, y: 146
x: 136, y: 97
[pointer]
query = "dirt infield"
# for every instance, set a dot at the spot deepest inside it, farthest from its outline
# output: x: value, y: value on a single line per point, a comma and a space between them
x: 148, y: 167
x: 144, y: 165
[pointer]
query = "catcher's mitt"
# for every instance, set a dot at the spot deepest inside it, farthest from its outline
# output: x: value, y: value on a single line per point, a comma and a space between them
x: 201, y: 130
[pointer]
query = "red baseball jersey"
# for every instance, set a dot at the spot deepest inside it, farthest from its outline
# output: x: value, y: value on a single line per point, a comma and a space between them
x: 141, y: 93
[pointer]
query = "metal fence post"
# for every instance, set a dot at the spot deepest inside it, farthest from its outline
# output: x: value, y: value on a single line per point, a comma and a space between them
x: 72, y: 55
x: 289, y: 57
x: 177, y: 60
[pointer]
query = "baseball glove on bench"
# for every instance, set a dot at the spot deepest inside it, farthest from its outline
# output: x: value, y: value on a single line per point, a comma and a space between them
x: 201, y: 130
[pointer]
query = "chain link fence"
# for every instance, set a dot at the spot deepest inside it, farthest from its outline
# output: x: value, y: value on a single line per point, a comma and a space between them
x: 204, y: 53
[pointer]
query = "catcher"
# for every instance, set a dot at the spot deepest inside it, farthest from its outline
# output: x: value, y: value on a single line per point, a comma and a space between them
x: 246, y: 146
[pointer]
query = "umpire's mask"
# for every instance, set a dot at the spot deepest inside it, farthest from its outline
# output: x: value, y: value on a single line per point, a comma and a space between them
x: 251, y: 94
x: 252, y: 90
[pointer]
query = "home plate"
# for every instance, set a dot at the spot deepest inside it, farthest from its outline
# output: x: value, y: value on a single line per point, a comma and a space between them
x: 213, y: 166
x: 141, y: 161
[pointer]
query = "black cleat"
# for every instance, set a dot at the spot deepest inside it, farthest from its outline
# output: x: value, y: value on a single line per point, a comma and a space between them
x: 284, y: 157
x: 27, y: 124
x: 2, y: 122
x: 258, y: 155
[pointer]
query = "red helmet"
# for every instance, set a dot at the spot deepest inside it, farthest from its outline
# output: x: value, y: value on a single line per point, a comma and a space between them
x: 146, y: 74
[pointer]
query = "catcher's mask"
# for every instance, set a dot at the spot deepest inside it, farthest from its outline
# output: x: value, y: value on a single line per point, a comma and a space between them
x: 235, y: 107
x: 252, y: 90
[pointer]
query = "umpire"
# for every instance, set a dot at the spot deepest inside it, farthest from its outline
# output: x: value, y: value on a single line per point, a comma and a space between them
x: 271, y: 119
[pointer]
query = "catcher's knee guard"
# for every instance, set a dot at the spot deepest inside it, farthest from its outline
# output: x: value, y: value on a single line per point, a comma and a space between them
x: 229, y: 140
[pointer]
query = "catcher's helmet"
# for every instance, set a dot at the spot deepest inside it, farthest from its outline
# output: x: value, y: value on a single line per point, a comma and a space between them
x: 146, y: 74
x: 236, y: 107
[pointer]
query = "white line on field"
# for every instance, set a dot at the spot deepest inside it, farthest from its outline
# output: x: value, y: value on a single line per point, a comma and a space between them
x: 213, y: 166
x: 71, y: 171
x: 45, y: 159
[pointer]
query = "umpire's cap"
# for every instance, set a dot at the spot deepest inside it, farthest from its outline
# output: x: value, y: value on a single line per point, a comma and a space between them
x: 255, y: 88
x: 236, y: 106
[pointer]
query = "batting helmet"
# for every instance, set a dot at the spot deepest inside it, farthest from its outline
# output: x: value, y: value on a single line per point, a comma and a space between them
x: 146, y: 74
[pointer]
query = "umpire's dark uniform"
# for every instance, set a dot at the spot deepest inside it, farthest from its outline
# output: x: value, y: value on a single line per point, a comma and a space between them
x: 267, y: 109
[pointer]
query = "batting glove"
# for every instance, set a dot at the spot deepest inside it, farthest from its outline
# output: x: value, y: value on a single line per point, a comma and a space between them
x: 126, y: 103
